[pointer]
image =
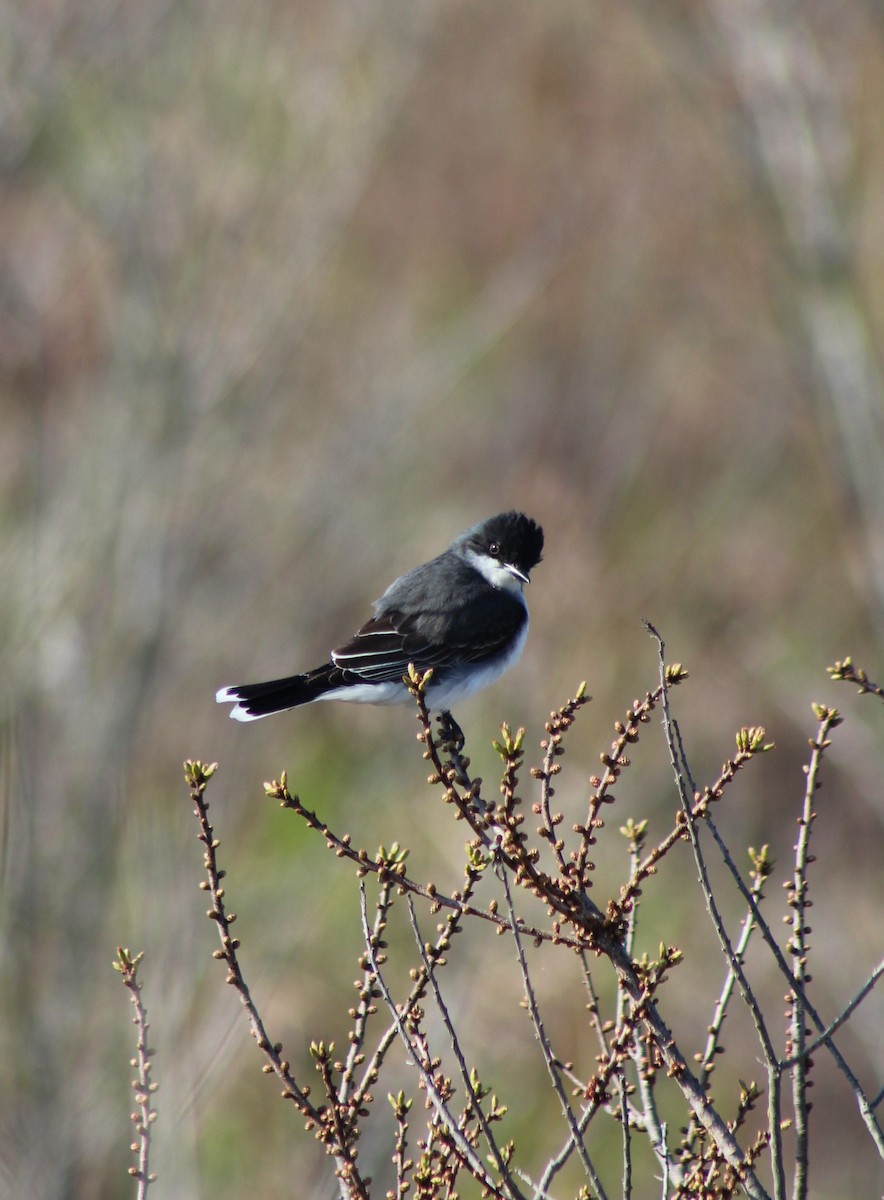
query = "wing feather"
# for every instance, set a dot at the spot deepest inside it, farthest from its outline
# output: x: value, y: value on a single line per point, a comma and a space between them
x: 382, y: 649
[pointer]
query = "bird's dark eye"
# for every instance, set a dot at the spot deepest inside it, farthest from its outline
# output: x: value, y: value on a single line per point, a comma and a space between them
x: 494, y: 549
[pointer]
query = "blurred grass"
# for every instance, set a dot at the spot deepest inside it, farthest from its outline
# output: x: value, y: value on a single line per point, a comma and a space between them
x: 289, y: 296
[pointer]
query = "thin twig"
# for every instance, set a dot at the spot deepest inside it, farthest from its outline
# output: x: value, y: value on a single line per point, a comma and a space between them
x: 750, y: 745
x: 681, y: 771
x: 677, y: 1066
x: 197, y: 777
x: 143, y: 1119
x: 450, y: 927
x: 475, y: 1102
x: 631, y: 925
x: 866, y: 988
x: 848, y: 673
x: 614, y: 763
x: 627, y: 1146
x: 464, y: 1149
x: 556, y: 727
x: 707, y: 1062
x: 330, y: 1130
x: 866, y: 1107
x: 608, y: 1072
x: 340, y: 845
x: 828, y: 718
x: 401, y: 1108
x: 656, y: 1128
x: 364, y: 1008
x: 592, y: 1006
x: 546, y: 1049
x: 644, y: 1075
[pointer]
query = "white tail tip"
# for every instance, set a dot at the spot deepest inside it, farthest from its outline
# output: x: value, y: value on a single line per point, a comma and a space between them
x: 227, y: 695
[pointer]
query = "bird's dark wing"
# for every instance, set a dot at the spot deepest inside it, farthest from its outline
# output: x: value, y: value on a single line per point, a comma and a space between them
x: 382, y: 649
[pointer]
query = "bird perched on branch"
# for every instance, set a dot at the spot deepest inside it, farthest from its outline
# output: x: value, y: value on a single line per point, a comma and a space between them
x: 462, y: 614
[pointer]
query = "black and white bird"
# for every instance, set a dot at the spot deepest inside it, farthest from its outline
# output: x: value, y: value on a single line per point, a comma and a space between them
x: 462, y: 613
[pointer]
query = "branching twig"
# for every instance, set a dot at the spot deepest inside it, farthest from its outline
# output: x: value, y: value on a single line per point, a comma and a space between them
x: 866, y: 1107
x: 452, y: 925
x: 749, y: 742
x: 464, y: 1148
x: 636, y: 833
x: 548, y: 1057
x: 556, y: 727
x: 328, y: 1120
x: 846, y: 671
x: 401, y: 1108
x: 365, y: 865
x: 365, y: 1007
x: 556, y: 870
x: 469, y: 1088
x: 614, y: 763
x: 843, y: 1016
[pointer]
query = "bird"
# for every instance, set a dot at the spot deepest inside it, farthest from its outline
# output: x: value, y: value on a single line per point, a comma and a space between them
x: 462, y: 614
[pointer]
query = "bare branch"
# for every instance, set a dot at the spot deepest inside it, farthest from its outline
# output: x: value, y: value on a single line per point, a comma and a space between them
x: 464, y: 1148
x: 475, y: 1101
x: 548, y: 1057
x: 143, y: 1119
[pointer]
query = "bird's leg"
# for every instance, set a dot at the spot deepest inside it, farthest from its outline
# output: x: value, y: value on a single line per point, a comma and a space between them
x: 450, y: 732
x: 452, y: 740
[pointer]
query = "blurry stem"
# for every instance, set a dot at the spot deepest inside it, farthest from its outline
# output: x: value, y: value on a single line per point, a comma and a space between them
x: 143, y: 1119
x: 804, y: 149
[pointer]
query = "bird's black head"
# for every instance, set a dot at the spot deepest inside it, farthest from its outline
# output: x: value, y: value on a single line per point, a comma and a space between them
x: 510, y: 539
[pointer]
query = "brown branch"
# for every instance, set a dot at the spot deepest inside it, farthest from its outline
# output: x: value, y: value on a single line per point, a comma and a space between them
x: 143, y: 1119
x: 330, y: 1128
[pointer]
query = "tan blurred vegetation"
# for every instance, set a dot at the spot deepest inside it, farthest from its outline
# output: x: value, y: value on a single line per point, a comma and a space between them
x: 290, y: 295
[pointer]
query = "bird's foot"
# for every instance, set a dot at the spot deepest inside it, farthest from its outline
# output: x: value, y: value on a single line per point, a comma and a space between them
x: 452, y: 741
x: 450, y: 733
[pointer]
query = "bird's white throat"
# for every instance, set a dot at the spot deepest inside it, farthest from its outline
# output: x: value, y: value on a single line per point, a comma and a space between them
x: 498, y: 576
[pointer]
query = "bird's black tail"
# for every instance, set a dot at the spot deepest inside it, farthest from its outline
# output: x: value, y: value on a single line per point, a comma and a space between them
x: 254, y: 700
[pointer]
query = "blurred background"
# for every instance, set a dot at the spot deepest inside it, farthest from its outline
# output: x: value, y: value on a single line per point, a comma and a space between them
x: 291, y: 294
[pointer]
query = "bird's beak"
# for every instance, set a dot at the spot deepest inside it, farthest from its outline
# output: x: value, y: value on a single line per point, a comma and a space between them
x: 516, y: 573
